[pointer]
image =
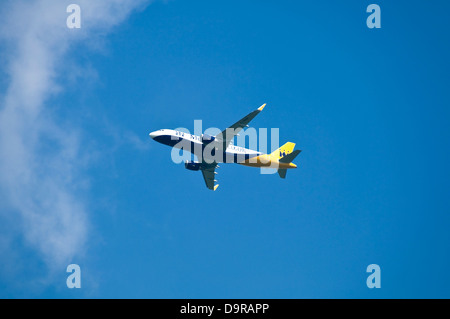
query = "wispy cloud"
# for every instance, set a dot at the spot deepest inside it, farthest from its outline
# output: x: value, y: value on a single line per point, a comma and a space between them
x: 41, y: 162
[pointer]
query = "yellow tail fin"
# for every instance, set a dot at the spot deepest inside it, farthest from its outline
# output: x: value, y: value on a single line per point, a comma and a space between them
x: 283, y: 150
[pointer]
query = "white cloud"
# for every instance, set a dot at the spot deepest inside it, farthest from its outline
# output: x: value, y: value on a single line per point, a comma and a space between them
x: 41, y: 162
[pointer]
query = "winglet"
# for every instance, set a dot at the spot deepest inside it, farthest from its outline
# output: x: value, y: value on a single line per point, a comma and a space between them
x: 262, y: 107
x: 215, y: 187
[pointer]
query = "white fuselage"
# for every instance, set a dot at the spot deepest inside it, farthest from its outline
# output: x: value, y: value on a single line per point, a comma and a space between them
x: 204, y: 147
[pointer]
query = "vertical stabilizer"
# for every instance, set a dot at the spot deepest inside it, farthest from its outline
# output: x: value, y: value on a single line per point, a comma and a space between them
x: 283, y: 150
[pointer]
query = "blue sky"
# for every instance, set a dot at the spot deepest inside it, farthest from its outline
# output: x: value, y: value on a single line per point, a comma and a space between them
x: 368, y: 107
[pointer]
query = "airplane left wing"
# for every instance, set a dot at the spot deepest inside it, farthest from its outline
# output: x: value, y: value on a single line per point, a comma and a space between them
x: 228, y: 134
x: 209, y: 176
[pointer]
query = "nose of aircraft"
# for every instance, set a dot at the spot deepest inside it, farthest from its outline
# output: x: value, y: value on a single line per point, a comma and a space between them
x: 153, y: 134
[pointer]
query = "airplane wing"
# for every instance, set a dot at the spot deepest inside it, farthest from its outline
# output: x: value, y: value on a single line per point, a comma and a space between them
x: 228, y: 134
x: 209, y: 176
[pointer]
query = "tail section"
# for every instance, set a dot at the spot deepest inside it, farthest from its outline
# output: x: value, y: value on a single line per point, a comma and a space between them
x: 283, y: 150
x: 287, y: 159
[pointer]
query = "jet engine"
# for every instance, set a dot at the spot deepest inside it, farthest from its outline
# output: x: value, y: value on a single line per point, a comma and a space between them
x: 193, y: 166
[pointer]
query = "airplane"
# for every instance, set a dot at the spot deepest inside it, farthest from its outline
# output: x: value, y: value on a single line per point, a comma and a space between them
x: 211, y: 150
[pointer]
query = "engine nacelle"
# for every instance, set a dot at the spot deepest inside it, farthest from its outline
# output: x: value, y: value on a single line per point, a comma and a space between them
x: 192, y: 166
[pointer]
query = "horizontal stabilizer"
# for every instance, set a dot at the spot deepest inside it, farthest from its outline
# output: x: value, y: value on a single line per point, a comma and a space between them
x: 282, y: 172
x: 290, y: 157
x: 287, y: 159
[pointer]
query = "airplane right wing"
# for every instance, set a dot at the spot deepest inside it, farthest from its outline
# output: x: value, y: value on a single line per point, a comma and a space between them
x: 209, y: 176
x: 228, y: 134
x: 222, y: 141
